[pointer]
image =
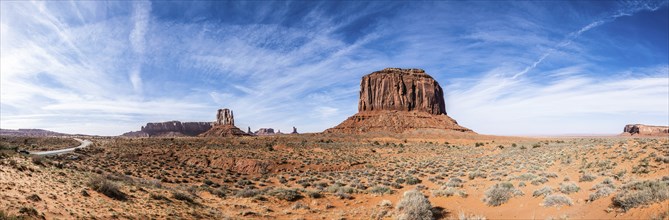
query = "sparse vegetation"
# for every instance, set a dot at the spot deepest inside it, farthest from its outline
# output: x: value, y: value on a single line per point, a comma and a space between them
x: 381, y: 190
x: 641, y: 193
x: 544, y: 191
x: 569, y: 187
x: 272, y: 183
x: 414, y: 206
x: 500, y: 193
x: 557, y: 200
x: 286, y: 194
x: 587, y: 177
x: 183, y: 196
x: 107, y: 187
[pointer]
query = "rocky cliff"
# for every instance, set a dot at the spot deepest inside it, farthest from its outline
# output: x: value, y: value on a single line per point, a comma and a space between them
x: 171, y: 128
x: 135, y: 134
x: 225, y: 117
x: 402, y: 90
x: 264, y: 132
x: 398, y: 100
x: 651, y: 130
x: 224, y: 125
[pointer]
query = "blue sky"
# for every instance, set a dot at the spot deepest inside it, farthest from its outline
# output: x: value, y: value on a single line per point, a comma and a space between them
x: 507, y: 68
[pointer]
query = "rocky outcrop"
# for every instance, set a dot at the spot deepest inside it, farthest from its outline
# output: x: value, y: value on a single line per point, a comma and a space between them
x: 646, y: 130
x: 399, y: 100
x: 175, y: 128
x: 265, y: 132
x: 135, y: 134
x: 294, y: 131
x: 224, y: 126
x: 395, y: 122
x: 223, y: 131
x: 225, y: 117
x: 170, y: 129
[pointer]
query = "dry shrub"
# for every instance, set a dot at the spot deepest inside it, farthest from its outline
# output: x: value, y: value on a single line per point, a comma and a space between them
x: 414, y: 206
x: 107, y: 187
x: 500, y: 193
x: 557, y: 200
x: 641, y: 193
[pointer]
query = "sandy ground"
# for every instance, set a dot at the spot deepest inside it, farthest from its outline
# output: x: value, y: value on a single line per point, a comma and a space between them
x: 238, y: 177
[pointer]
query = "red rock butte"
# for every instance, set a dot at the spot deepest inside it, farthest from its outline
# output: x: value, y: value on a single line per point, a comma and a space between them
x: 401, y: 89
x: 224, y: 126
x: 399, y: 100
x: 646, y: 130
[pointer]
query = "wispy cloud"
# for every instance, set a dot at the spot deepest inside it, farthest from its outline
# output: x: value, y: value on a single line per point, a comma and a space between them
x: 109, y: 67
x: 141, y: 15
x: 628, y: 10
x: 590, y: 105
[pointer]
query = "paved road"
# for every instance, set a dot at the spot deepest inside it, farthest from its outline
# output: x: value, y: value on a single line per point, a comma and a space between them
x: 84, y: 143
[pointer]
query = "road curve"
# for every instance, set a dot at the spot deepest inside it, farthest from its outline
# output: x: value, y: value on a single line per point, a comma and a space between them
x: 84, y: 143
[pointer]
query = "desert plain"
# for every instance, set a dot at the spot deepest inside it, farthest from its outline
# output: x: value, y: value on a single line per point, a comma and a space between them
x: 332, y: 176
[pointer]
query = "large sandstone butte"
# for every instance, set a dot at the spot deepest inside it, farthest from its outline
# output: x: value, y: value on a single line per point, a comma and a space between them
x: 649, y: 130
x: 402, y: 90
x: 224, y: 126
x: 398, y: 100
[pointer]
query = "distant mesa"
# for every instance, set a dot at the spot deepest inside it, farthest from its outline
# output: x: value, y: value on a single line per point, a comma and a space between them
x: 224, y: 126
x: 30, y: 133
x: 399, y: 100
x: 170, y: 129
x: 264, y: 132
x: 135, y: 134
x: 270, y: 131
x: 645, y: 130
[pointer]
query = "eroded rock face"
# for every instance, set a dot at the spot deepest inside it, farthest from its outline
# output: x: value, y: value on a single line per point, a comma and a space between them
x: 225, y: 117
x: 223, y: 131
x: 399, y: 100
x: 640, y: 129
x: 402, y: 90
x: 172, y: 128
x: 265, y: 131
x: 135, y: 134
x: 224, y: 126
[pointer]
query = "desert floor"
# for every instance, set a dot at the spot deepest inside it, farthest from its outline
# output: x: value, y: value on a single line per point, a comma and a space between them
x: 317, y: 176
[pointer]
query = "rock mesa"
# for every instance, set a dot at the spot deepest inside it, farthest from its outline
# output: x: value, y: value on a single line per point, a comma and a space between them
x: 265, y: 132
x: 170, y: 129
x: 647, y: 130
x: 398, y: 100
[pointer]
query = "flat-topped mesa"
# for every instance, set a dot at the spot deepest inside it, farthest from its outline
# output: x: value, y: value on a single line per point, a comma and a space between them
x: 651, y: 130
x: 225, y: 117
x: 170, y: 129
x: 399, y: 100
x: 264, y: 132
x: 402, y: 90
